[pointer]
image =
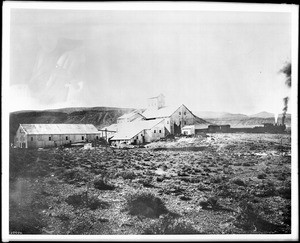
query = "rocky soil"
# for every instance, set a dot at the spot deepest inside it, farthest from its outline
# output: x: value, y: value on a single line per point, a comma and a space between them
x: 210, y: 184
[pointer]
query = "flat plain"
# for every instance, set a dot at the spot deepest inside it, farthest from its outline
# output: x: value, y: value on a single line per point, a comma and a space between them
x: 209, y: 184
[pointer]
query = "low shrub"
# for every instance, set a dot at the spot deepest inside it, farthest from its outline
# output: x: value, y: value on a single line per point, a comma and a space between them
x: 249, y: 219
x: 95, y: 203
x: 170, y: 226
x: 101, y: 184
x: 284, y: 192
x: 76, y: 200
x: 145, y: 204
x: 266, y: 190
x: 210, y: 203
x: 146, y: 182
x: 224, y: 190
x: 238, y: 182
x: 216, y: 179
x: 83, y: 200
x: 261, y: 176
x: 74, y: 175
x: 81, y: 225
x: 127, y: 175
x: 246, y: 217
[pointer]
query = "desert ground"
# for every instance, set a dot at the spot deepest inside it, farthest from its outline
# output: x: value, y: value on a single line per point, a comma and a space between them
x: 208, y: 184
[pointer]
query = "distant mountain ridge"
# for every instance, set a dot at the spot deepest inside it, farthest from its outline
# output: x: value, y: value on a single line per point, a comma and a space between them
x: 242, y: 120
x: 213, y: 114
x: 219, y: 115
x: 263, y: 114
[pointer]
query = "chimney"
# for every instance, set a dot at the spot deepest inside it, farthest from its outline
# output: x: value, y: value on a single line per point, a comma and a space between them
x: 283, y: 120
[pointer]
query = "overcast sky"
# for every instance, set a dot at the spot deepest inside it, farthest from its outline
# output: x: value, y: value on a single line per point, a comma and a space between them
x: 217, y: 61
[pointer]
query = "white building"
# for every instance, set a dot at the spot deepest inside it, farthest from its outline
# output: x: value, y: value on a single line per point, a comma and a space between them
x: 175, y: 117
x: 139, y: 132
x: 188, y: 130
x: 51, y: 135
x: 154, y: 123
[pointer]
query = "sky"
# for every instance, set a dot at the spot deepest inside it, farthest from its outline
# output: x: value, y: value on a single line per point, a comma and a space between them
x: 207, y: 60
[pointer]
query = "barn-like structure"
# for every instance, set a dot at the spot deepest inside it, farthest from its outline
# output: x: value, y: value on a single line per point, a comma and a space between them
x: 51, y: 135
x: 139, y: 132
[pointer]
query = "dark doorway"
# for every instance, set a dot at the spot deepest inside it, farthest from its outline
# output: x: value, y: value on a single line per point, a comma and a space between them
x: 177, y: 129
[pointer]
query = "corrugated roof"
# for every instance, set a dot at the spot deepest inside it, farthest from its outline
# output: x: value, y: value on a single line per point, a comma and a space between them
x: 162, y: 112
x: 59, y: 128
x: 130, y: 129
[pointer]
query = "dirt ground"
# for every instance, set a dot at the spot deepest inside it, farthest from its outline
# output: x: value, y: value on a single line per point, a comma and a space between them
x: 209, y: 184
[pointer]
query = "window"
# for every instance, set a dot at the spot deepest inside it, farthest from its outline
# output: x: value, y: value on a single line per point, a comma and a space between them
x: 49, y: 138
x: 154, y: 131
x: 159, y: 131
x: 82, y: 138
x: 67, y: 138
x: 31, y: 138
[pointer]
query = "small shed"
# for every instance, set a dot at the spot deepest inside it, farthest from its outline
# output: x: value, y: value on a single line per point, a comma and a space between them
x: 188, y: 130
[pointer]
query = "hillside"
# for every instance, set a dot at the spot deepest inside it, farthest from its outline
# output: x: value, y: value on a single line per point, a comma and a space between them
x: 263, y: 114
x: 218, y: 115
x: 249, y: 121
x: 99, y: 116
x: 241, y: 120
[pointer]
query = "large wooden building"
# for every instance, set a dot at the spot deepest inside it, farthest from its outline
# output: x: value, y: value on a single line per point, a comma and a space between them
x: 139, y: 132
x: 156, y: 122
x: 175, y: 117
x: 51, y: 135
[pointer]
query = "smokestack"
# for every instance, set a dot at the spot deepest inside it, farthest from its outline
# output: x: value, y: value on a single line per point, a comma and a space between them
x: 287, y: 70
x: 285, y: 100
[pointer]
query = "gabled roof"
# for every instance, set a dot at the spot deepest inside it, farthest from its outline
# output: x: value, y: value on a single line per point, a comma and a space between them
x: 166, y: 111
x: 130, y: 129
x: 59, y: 128
x: 131, y: 114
